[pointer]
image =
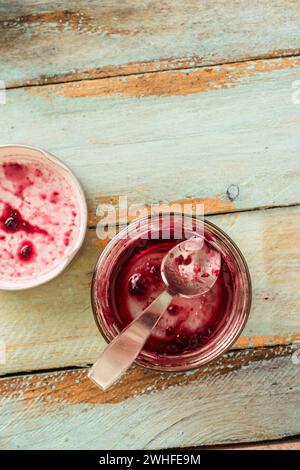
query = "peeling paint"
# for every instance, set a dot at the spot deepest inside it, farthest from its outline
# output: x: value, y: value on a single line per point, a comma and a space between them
x: 64, y: 20
x: 74, y: 387
x: 187, y: 206
x: 262, y: 341
x: 170, y: 83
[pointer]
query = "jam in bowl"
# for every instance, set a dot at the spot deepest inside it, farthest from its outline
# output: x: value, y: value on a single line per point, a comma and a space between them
x: 43, y: 217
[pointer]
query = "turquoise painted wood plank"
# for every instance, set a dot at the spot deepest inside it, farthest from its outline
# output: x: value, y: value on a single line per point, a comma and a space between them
x: 43, y: 41
x: 247, y: 396
x: 52, y: 326
x: 172, y: 135
x: 281, y: 444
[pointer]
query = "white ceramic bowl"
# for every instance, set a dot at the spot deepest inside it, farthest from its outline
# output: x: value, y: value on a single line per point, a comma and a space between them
x: 24, y: 153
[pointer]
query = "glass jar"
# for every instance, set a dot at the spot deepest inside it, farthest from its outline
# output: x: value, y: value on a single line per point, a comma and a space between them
x: 120, y: 251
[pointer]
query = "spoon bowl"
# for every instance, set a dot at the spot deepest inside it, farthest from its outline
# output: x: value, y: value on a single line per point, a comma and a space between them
x: 191, y: 268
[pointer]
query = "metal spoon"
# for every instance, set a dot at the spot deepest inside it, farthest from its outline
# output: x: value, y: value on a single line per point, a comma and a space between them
x: 190, y: 269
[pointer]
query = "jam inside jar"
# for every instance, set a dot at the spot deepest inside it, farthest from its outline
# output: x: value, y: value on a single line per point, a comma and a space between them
x: 192, y: 331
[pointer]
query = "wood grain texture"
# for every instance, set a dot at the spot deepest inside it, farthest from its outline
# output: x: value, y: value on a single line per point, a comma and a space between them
x: 95, y: 39
x: 214, y: 114
x: 52, y: 326
x: 246, y: 396
x: 228, y: 125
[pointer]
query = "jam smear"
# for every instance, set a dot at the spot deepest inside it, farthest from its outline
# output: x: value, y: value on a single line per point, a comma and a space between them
x: 26, y: 252
x: 180, y: 260
x: 11, y: 221
x: 139, y: 282
x: 173, y: 309
x: 18, y: 175
x: 67, y: 237
x: 54, y: 197
x: 155, y: 269
x: 137, y: 285
x: 38, y: 173
x: 170, y: 331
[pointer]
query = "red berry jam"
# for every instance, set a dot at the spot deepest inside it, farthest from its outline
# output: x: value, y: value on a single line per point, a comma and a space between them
x: 26, y: 252
x: 187, y: 323
x: 11, y: 220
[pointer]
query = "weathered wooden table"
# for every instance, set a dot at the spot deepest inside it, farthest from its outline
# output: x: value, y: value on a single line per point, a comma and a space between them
x: 158, y: 101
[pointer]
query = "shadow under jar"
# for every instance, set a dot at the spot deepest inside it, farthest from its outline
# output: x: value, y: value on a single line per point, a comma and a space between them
x: 193, y: 331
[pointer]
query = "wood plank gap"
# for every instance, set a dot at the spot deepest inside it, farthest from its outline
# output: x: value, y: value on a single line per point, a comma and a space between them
x: 257, y: 352
x: 254, y: 209
x: 218, y: 213
x: 52, y: 370
x: 262, y: 445
x: 84, y: 75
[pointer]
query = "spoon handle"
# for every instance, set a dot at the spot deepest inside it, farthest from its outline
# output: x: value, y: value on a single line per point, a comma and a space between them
x: 124, y: 349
